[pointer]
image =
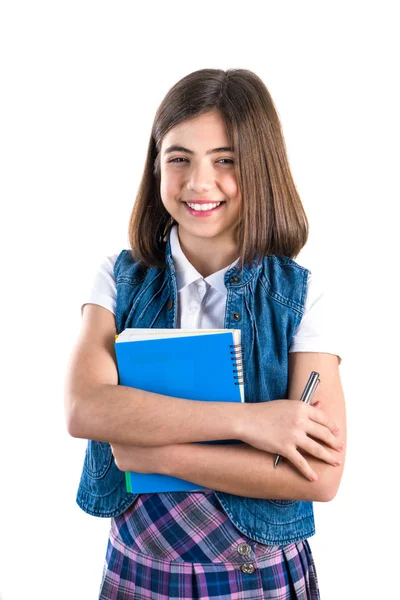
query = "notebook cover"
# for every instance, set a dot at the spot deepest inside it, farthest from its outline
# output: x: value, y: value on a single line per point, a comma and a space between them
x: 192, y: 367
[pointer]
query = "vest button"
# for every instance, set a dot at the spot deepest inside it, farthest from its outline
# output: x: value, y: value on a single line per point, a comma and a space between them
x: 236, y: 316
x: 235, y: 279
x: 244, y: 549
x: 247, y: 568
x: 170, y: 304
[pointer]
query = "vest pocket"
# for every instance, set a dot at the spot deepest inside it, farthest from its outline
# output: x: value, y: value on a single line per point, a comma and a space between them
x: 282, y: 502
x: 98, y: 458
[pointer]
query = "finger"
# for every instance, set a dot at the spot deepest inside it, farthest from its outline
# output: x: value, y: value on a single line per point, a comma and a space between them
x: 320, y: 417
x: 315, y: 449
x: 300, y: 462
x: 322, y: 433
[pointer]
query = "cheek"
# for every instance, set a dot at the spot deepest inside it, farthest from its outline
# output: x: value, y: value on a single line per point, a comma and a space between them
x: 231, y: 187
x: 163, y: 189
x: 170, y: 184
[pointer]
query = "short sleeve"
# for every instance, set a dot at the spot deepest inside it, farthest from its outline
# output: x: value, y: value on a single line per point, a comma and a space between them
x: 102, y: 290
x: 320, y: 327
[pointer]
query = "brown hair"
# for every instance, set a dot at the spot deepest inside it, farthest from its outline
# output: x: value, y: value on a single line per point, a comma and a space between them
x: 273, y: 220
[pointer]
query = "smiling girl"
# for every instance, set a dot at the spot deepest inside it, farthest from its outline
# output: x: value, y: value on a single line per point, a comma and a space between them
x: 202, y: 178
x: 213, y: 235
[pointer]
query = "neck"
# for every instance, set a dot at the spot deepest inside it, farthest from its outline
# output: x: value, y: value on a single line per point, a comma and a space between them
x: 208, y: 258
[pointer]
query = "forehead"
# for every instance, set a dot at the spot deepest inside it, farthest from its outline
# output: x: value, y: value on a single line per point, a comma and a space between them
x: 202, y: 129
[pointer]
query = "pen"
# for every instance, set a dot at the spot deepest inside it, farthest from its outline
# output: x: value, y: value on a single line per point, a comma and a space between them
x: 307, y: 395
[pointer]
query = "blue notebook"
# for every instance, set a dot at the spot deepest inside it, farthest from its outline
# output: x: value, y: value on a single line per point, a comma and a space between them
x: 195, y: 364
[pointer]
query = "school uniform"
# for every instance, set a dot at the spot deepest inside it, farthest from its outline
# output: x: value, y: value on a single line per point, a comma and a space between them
x: 209, y: 544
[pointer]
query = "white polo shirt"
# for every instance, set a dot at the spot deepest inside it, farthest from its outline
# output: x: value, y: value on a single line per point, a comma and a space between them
x: 202, y: 301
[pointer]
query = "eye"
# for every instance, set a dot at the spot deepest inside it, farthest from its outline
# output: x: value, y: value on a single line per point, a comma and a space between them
x: 228, y: 161
x: 175, y: 160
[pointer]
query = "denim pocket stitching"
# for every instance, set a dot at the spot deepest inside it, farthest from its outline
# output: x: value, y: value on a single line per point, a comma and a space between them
x: 282, y: 503
x: 101, y: 472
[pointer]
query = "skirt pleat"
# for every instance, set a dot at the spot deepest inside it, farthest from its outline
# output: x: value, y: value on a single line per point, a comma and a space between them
x: 182, y: 546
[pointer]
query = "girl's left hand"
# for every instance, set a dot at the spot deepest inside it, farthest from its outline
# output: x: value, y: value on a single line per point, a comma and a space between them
x: 141, y: 459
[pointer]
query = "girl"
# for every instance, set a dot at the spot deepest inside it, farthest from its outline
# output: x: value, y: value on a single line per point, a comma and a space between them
x: 214, y: 232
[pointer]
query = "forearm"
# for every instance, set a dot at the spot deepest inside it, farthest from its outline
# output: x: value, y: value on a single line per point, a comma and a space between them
x: 125, y: 415
x: 243, y: 470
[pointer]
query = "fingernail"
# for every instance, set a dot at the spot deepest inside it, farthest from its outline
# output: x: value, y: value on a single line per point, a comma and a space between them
x: 337, y: 463
x: 313, y: 477
x: 341, y: 446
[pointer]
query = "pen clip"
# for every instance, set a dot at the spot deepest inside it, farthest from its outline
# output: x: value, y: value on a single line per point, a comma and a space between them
x: 314, y: 390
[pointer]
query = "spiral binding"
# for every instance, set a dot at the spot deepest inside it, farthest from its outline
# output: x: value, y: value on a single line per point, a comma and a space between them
x: 238, y: 354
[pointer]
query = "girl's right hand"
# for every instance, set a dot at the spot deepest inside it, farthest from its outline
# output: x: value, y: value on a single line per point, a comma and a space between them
x: 283, y: 426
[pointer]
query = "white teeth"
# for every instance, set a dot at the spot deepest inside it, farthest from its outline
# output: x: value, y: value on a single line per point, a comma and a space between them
x: 203, y: 207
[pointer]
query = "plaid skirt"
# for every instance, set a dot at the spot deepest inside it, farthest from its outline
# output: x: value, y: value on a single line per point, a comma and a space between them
x: 182, y: 545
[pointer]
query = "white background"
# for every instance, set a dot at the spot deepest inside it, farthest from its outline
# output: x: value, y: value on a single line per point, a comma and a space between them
x: 81, y: 82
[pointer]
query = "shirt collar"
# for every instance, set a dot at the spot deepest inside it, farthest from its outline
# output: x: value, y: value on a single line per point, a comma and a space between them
x: 185, y: 271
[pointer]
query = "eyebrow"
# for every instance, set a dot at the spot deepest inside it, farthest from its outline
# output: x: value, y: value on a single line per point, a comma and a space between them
x: 182, y: 149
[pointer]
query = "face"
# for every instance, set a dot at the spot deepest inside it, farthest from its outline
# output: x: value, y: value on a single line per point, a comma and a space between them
x: 198, y: 167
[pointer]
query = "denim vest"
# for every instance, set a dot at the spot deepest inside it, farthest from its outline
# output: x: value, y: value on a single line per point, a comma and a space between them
x: 266, y: 301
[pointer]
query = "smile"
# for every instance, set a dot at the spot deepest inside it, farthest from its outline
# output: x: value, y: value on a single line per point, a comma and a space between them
x: 203, y: 210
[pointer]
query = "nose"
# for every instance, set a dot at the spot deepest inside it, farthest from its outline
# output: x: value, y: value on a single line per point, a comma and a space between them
x: 201, y: 178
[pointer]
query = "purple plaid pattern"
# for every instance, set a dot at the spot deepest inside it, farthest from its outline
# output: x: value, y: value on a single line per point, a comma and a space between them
x: 182, y: 545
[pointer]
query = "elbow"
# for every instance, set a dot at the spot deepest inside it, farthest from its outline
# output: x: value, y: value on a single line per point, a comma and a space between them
x: 72, y: 429
x: 327, y: 494
x: 72, y: 418
x: 328, y: 489
x: 329, y: 478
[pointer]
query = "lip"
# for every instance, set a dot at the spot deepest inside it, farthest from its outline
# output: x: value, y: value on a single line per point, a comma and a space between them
x: 203, y: 201
x: 206, y: 213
